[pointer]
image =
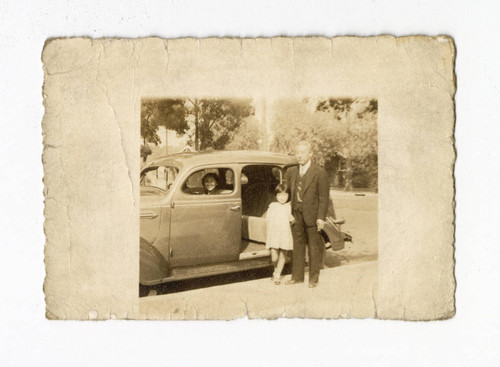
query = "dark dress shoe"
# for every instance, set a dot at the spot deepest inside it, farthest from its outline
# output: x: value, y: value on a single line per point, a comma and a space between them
x: 313, y: 285
x: 293, y: 281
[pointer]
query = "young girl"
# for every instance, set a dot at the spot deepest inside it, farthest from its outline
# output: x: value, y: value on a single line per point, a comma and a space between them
x: 279, y: 234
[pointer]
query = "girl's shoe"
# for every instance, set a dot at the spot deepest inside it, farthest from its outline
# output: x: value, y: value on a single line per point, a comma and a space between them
x: 276, y: 280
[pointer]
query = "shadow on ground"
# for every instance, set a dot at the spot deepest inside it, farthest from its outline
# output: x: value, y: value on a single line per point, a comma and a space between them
x: 212, y: 281
x: 332, y: 260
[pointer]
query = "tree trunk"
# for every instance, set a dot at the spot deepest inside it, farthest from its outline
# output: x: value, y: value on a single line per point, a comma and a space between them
x: 348, y: 175
x: 144, y: 157
x: 166, y: 140
x: 196, y: 128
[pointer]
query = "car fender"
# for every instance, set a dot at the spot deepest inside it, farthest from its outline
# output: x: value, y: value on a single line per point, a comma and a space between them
x: 153, y: 266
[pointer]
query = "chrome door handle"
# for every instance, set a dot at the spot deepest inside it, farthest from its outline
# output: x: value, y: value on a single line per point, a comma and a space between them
x: 148, y: 215
x: 235, y: 208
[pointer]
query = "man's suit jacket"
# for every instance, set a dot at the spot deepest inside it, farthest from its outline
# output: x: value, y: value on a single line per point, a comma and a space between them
x: 315, y: 192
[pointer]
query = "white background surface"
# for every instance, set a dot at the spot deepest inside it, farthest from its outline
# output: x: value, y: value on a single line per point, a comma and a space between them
x: 472, y: 337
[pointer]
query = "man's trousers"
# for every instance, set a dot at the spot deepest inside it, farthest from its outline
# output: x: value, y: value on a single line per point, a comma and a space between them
x: 304, y: 235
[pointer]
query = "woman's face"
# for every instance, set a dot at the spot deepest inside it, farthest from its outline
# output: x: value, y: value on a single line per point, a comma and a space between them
x: 210, y: 183
x: 282, y: 197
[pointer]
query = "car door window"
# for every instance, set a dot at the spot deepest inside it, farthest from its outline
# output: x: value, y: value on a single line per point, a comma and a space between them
x: 210, y: 181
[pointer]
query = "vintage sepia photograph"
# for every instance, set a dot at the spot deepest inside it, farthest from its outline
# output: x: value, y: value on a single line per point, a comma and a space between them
x: 277, y: 192
x: 220, y: 178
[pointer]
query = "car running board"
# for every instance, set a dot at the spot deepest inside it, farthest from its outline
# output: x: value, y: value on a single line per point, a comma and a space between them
x: 216, y: 269
x: 254, y: 254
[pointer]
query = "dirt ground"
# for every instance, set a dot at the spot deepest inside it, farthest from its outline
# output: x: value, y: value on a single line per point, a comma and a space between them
x: 347, y: 291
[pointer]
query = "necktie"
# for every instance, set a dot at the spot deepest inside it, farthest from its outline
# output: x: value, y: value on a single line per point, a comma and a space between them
x: 299, y: 185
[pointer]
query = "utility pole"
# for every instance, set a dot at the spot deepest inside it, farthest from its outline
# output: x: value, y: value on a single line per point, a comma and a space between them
x: 166, y: 141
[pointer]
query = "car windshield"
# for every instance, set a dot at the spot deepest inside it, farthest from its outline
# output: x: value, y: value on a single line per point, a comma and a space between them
x: 158, y: 178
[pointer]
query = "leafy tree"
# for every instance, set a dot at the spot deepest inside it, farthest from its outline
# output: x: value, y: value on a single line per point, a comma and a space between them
x: 213, y: 121
x: 216, y: 119
x: 357, y: 122
x: 294, y: 122
x: 249, y: 136
x: 156, y: 112
x: 343, y: 127
x: 145, y: 152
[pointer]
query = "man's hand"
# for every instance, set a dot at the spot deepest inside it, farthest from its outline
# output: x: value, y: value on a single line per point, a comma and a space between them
x: 291, y: 218
x: 320, y: 224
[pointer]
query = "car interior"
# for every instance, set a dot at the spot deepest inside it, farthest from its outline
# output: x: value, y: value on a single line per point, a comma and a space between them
x: 256, y: 196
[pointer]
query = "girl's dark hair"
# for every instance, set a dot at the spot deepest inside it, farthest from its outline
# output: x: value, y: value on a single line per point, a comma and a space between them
x: 281, y: 188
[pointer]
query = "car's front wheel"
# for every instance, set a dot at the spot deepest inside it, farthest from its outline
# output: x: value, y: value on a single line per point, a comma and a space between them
x: 143, y: 290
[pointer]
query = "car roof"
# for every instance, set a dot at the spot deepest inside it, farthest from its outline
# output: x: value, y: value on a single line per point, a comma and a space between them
x: 223, y: 157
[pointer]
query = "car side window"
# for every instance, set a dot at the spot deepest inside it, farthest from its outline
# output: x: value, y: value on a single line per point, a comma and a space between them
x: 210, y: 181
x: 160, y: 177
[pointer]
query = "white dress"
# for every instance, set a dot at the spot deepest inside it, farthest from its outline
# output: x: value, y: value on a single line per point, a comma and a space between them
x: 278, y: 232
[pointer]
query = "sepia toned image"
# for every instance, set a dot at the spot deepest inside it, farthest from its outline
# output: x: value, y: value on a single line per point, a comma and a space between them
x: 196, y: 179
x: 213, y: 171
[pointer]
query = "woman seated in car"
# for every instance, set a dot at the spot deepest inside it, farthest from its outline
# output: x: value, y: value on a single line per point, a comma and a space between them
x: 211, y: 185
x: 210, y: 182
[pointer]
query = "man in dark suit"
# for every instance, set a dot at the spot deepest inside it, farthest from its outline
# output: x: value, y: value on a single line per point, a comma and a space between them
x: 310, y: 192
